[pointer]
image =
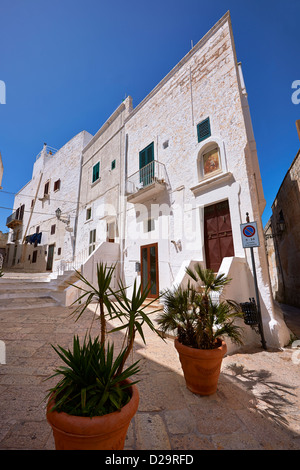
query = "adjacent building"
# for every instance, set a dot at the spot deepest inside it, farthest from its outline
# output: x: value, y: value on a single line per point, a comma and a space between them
x: 282, y: 234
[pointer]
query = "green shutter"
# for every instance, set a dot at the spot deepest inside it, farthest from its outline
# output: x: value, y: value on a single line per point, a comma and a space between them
x: 142, y: 159
x: 146, y: 170
x: 96, y: 172
x: 203, y: 130
x: 147, y: 155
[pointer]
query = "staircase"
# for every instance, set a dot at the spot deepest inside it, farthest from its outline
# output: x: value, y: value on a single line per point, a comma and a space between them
x: 23, y: 291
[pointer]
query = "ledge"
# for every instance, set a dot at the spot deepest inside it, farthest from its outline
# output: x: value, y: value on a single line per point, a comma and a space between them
x: 214, y: 180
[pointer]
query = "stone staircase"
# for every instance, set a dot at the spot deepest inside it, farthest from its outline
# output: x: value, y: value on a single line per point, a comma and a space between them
x: 19, y: 291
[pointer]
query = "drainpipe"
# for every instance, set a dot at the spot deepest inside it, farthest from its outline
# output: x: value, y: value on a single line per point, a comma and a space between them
x: 77, y: 208
x: 124, y: 206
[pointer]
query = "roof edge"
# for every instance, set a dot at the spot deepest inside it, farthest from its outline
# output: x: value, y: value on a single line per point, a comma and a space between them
x: 225, y: 18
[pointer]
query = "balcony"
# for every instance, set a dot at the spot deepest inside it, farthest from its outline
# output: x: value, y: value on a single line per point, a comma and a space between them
x: 147, y: 182
x: 15, y: 219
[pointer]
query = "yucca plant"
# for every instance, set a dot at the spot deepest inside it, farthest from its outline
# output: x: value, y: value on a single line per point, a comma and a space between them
x: 198, y: 321
x: 90, y: 385
x: 93, y: 382
x: 101, y: 294
x: 132, y: 313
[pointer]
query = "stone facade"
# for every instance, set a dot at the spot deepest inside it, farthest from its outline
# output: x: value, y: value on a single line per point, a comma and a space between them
x: 283, y: 246
x: 54, y: 184
x: 162, y: 220
x: 100, y: 200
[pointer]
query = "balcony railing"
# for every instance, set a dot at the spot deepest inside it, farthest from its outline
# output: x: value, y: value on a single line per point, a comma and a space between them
x: 48, y: 151
x: 16, y: 218
x: 151, y: 178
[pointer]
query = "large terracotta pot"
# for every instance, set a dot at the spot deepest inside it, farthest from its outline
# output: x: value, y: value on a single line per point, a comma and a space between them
x: 106, y: 432
x: 201, y: 367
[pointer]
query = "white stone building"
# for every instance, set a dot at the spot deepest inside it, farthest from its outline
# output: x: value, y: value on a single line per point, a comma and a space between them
x: 162, y: 186
x: 185, y: 174
x: 40, y: 241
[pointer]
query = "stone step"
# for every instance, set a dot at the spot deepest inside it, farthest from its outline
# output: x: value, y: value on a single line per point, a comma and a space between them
x: 22, y: 303
x: 24, y: 293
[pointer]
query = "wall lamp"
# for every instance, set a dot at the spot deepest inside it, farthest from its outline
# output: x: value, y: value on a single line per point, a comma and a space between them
x: 280, y: 228
x: 58, y: 215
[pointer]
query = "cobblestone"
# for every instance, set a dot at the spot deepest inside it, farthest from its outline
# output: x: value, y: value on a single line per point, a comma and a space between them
x: 256, y: 405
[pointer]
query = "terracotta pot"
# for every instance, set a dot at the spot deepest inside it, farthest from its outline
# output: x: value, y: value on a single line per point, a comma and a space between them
x: 201, y: 367
x: 106, y: 432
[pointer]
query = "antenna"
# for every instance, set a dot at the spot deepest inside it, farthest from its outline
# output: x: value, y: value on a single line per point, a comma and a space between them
x: 192, y: 44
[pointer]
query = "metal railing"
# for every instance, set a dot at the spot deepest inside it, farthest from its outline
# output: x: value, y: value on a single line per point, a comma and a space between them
x: 154, y: 172
x: 49, y: 151
x: 17, y: 215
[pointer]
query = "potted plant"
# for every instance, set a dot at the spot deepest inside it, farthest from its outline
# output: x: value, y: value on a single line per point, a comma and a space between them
x: 200, y: 324
x: 95, y: 399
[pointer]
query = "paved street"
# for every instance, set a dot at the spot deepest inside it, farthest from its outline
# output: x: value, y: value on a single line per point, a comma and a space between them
x: 256, y: 405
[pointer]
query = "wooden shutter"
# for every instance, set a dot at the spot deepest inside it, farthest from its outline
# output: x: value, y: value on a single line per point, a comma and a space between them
x: 46, y: 188
x: 147, y: 155
x: 203, y: 130
x: 21, y: 215
x: 96, y: 171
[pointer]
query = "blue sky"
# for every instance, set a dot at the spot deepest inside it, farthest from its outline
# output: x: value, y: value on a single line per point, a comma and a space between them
x: 67, y: 65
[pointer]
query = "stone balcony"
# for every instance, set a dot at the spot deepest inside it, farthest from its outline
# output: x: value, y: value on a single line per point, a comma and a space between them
x: 147, y: 182
x: 15, y: 219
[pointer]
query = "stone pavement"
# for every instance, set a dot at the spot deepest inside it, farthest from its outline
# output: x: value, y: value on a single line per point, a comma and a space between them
x: 256, y: 405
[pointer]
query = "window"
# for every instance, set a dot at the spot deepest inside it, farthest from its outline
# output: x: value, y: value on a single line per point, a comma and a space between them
x: 92, y: 241
x: 57, y: 185
x: 211, y: 161
x: 147, y: 155
x: 34, y: 256
x: 149, y: 225
x: 113, y: 164
x: 88, y: 213
x: 203, y: 130
x: 46, y: 189
x: 96, y: 172
x: 22, y: 209
x: 58, y: 251
x: 147, y: 165
x: 52, y: 229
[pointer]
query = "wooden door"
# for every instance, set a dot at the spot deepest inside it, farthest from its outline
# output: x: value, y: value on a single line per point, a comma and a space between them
x: 217, y: 234
x: 50, y: 258
x: 149, y: 269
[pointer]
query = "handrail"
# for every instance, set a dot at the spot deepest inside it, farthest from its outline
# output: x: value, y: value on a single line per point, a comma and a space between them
x: 14, y: 216
x: 49, y: 151
x: 153, y: 172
